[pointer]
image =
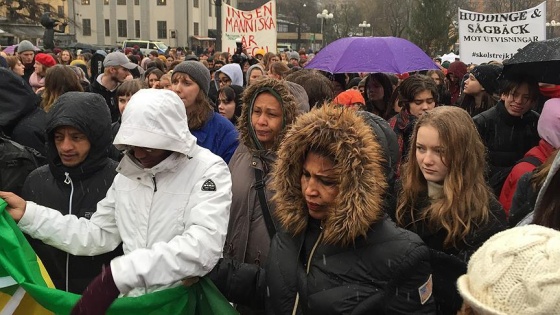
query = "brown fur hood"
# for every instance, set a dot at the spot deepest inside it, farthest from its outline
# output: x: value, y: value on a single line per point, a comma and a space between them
x: 291, y: 107
x: 358, y: 155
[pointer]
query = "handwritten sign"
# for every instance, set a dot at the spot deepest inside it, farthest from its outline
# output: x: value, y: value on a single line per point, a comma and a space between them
x: 256, y: 28
x: 485, y: 37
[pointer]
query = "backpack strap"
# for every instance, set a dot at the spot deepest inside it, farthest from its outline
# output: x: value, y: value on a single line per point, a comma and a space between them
x: 259, y: 187
x: 532, y: 160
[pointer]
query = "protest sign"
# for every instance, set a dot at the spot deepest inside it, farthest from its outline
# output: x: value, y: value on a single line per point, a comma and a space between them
x: 256, y: 28
x: 485, y: 37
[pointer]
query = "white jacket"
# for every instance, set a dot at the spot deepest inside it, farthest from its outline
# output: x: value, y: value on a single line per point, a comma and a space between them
x: 172, y: 218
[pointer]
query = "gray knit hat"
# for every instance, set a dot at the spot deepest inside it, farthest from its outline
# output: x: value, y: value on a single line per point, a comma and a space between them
x: 197, y: 71
x: 25, y: 45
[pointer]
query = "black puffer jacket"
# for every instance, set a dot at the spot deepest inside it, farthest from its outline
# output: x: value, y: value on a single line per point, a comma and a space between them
x: 356, y: 260
x: 506, y: 137
x: 21, y: 119
x: 450, y: 263
x: 74, y: 189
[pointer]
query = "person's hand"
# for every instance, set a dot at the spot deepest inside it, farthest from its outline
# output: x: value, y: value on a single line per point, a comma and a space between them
x: 190, y: 281
x: 98, y: 295
x: 39, y: 90
x: 16, y: 205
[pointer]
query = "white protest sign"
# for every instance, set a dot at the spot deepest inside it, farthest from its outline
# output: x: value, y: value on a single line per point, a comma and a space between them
x: 256, y: 28
x: 485, y: 37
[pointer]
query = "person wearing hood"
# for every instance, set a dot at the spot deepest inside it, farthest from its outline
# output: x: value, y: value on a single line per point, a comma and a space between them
x: 336, y: 250
x: 230, y: 74
x: 21, y: 118
x: 444, y: 198
x: 455, y: 73
x: 270, y: 107
x: 168, y: 205
x: 548, y: 128
x: 509, y: 129
x: 254, y: 73
x: 191, y: 81
x: 77, y: 177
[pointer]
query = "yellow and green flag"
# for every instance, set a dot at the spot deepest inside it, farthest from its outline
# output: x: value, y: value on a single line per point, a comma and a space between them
x: 26, y: 289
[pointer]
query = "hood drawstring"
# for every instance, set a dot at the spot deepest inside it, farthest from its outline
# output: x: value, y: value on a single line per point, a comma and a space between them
x: 68, y: 181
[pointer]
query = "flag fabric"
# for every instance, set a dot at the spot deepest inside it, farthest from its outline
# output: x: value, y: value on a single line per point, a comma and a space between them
x: 26, y: 287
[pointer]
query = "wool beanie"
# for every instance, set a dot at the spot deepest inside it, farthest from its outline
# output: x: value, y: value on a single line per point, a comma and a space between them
x: 488, y: 75
x: 515, y: 272
x: 549, y: 122
x: 25, y: 45
x: 354, y: 82
x: 197, y: 71
x: 293, y: 55
x: 45, y: 59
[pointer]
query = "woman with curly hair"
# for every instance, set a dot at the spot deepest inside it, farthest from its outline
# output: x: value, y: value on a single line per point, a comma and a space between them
x: 445, y: 199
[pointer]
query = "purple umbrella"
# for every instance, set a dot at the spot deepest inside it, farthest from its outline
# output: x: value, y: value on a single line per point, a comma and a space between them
x: 371, y: 54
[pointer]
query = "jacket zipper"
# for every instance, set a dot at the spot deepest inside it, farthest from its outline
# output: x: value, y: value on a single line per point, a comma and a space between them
x: 294, y: 311
x: 68, y: 181
x: 154, y: 181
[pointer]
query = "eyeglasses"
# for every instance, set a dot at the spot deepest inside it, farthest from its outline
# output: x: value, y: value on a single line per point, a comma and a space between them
x: 518, y: 97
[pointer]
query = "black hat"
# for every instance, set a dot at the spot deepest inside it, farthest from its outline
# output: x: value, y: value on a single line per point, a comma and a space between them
x: 488, y: 75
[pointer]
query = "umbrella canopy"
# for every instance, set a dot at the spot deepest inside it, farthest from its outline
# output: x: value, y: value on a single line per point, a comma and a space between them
x: 540, y: 60
x: 371, y: 54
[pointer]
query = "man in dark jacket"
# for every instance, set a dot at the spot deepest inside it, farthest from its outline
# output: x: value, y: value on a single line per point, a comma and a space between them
x: 26, y: 53
x: 78, y: 175
x: 509, y: 129
x: 116, y: 69
x: 21, y: 119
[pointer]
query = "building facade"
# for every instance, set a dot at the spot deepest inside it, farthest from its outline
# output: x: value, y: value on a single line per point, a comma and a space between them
x: 108, y: 23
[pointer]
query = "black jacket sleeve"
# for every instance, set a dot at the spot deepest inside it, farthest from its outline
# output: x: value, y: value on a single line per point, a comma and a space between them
x: 240, y: 283
x: 523, y: 201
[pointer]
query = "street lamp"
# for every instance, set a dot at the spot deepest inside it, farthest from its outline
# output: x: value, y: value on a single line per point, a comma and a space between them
x: 324, y: 15
x: 550, y: 28
x: 363, y: 25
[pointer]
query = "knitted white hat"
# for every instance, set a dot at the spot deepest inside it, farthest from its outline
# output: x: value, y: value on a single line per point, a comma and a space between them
x: 516, y: 271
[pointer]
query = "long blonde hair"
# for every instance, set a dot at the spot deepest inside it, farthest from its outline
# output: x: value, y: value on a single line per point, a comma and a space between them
x: 466, y: 196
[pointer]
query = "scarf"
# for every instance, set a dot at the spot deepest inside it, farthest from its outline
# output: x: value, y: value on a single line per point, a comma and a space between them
x: 36, y: 82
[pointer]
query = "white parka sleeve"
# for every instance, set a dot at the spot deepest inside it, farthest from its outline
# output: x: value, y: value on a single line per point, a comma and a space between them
x: 194, y: 252
x: 77, y: 236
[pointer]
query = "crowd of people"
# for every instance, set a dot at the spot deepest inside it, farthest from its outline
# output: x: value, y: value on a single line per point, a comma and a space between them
x: 295, y: 191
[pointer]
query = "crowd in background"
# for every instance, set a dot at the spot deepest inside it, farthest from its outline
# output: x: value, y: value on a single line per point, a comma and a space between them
x: 356, y: 192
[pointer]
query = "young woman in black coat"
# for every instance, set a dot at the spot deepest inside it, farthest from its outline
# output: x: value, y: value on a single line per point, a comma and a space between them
x: 445, y: 199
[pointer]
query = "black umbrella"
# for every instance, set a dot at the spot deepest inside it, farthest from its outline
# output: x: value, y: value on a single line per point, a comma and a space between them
x: 540, y: 60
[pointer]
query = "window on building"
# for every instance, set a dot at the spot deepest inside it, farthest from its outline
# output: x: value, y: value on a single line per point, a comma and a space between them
x: 195, y: 3
x: 137, y: 28
x: 60, y: 11
x: 161, y: 2
x: 210, y: 8
x: 196, y: 29
x: 107, y: 28
x: 161, y: 29
x: 86, y: 27
x: 136, y: 2
x: 106, y: 2
x: 282, y: 28
x: 121, y: 28
x: 85, y: 2
x: 121, y: 2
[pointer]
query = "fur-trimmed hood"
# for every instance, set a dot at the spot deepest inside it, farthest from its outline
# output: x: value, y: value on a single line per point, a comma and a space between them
x: 290, y: 109
x: 358, y: 155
